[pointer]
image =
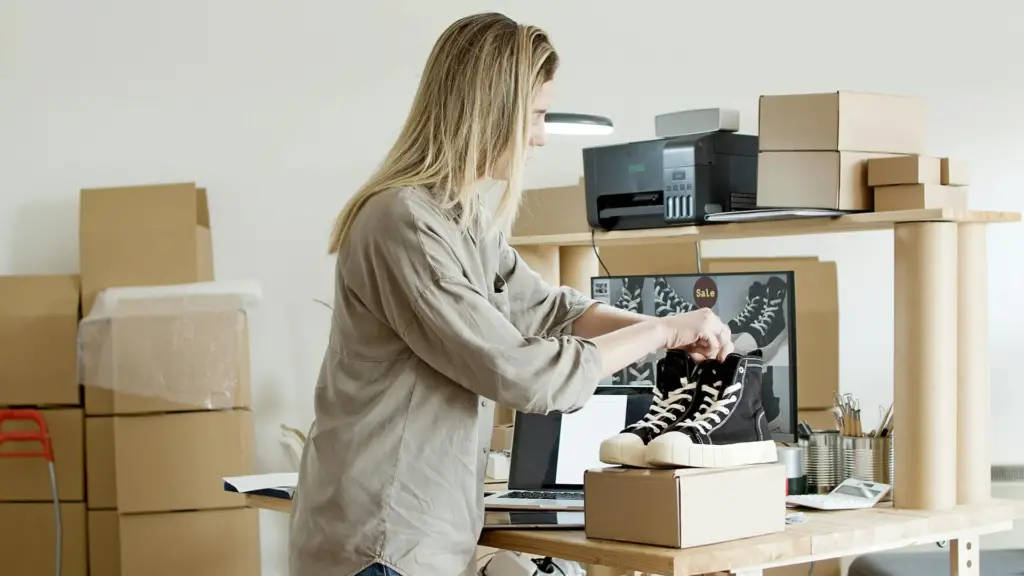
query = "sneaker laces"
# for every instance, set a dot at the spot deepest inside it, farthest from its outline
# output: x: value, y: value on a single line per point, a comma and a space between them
x: 766, y: 317
x: 660, y: 414
x: 667, y: 302
x: 640, y: 377
x: 715, y: 408
x: 747, y: 310
x: 629, y: 300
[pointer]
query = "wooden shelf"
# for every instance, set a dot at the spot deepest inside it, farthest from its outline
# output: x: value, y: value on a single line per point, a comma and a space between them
x: 852, y: 223
x: 824, y: 535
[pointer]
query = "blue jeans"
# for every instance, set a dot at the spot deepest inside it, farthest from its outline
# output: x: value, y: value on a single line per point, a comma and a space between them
x: 377, y: 570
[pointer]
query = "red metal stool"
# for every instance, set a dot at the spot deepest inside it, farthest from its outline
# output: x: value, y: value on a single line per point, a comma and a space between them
x: 41, y: 436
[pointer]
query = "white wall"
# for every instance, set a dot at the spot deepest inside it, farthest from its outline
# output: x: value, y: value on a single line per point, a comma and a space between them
x: 282, y: 108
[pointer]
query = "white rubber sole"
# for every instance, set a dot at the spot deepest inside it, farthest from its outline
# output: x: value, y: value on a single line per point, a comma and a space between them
x: 617, y: 452
x: 683, y: 454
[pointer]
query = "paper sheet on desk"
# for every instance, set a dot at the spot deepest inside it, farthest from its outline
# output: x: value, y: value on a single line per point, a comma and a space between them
x: 581, y: 434
x: 280, y: 485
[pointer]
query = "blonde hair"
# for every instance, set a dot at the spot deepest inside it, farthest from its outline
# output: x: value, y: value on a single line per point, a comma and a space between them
x: 470, y: 115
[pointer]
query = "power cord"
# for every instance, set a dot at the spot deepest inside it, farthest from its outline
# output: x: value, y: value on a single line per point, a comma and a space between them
x: 548, y: 566
x: 593, y: 245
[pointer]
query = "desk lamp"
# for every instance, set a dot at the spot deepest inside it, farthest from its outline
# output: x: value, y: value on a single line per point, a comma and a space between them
x: 577, y: 124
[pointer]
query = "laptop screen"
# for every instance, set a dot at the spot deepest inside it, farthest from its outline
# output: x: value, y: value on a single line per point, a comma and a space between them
x: 552, y: 451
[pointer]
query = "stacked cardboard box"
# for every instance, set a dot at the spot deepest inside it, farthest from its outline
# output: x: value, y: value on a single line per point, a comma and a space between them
x: 165, y: 364
x: 38, y: 348
x: 918, y: 182
x: 816, y: 324
x: 814, y: 147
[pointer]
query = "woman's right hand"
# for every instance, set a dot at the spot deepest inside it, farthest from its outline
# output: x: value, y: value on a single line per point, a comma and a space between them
x: 701, y: 333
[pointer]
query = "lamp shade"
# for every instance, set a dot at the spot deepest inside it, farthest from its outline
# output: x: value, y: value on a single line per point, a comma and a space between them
x: 577, y: 124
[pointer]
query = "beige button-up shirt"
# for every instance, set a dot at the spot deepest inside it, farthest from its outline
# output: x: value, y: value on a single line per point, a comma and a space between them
x: 431, y: 326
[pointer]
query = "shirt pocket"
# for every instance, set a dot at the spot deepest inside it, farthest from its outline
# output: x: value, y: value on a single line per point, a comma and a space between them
x: 498, y: 295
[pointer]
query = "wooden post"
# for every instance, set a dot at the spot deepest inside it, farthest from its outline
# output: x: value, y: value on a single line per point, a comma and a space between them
x: 973, y: 478
x: 925, y: 365
x: 544, y: 261
x: 578, y: 264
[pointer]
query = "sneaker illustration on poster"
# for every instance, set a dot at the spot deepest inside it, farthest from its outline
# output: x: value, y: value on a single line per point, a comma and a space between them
x: 761, y: 325
x: 755, y: 303
x: 667, y: 302
x: 771, y: 402
x: 673, y: 399
x: 640, y: 373
x: 728, y: 429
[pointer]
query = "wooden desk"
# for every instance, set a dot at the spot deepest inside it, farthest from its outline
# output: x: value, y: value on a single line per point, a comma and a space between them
x: 825, y: 535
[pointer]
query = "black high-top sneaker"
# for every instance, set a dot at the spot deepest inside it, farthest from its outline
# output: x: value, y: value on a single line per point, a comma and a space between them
x: 756, y: 296
x: 768, y: 328
x: 631, y: 299
x: 667, y: 302
x: 674, y: 398
x: 728, y: 429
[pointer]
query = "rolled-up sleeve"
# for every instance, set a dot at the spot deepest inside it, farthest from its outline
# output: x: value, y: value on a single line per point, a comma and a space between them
x: 536, y: 307
x: 461, y: 334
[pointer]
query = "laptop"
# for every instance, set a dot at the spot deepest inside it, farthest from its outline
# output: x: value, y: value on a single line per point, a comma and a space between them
x: 550, y: 452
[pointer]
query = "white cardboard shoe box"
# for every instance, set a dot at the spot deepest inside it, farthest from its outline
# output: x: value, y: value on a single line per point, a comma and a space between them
x: 686, y: 507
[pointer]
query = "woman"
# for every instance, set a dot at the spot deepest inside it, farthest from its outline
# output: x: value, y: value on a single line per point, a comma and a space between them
x: 436, y: 317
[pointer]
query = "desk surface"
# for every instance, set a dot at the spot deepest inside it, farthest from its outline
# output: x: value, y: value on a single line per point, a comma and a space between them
x: 824, y: 535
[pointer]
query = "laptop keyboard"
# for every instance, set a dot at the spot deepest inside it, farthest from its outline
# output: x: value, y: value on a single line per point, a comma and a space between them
x: 525, y: 495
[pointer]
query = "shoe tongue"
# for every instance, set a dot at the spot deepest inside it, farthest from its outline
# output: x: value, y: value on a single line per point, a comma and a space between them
x: 675, y: 366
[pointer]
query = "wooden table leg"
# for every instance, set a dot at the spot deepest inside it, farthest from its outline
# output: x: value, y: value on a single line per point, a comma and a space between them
x: 577, y: 264
x: 964, y: 557
x: 973, y: 479
x: 544, y: 261
x: 925, y: 365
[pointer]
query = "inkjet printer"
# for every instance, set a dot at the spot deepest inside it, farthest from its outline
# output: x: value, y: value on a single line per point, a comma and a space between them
x: 669, y: 182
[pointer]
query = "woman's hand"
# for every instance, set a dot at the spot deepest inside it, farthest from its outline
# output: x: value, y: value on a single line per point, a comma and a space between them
x: 701, y: 333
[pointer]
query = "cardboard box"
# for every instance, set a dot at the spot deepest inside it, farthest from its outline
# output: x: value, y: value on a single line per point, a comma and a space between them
x: 39, y: 341
x: 920, y: 197
x: 143, y: 236
x: 556, y: 210
x: 501, y: 438
x: 167, y: 462
x: 147, y: 354
x: 843, y: 121
x: 686, y: 507
x: 835, y: 180
x: 953, y: 172
x: 28, y: 479
x: 819, y: 418
x: 504, y: 416
x: 904, y: 170
x: 207, y: 543
x: 816, y: 302
x: 28, y: 539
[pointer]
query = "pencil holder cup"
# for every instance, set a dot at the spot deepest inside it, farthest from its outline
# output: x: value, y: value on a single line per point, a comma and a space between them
x: 870, y: 459
x: 822, y: 461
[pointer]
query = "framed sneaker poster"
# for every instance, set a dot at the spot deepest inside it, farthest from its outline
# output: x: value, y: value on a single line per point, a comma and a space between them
x: 758, y: 308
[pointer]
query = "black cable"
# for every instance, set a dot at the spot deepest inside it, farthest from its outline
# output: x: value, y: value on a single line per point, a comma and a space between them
x: 810, y: 571
x: 546, y: 565
x: 593, y: 244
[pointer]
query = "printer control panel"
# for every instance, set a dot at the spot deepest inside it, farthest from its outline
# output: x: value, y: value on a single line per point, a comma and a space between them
x: 680, y: 190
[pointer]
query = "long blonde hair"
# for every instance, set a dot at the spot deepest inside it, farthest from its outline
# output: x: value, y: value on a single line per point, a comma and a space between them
x: 471, y: 114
